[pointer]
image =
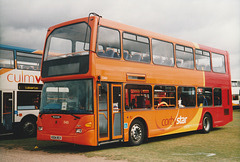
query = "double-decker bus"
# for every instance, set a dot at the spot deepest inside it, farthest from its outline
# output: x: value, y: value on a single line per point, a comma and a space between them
x: 236, y: 94
x: 107, y: 82
x: 20, y: 90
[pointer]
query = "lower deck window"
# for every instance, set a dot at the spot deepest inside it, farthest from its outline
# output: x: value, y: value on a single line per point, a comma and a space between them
x: 204, y: 97
x: 164, y: 97
x: 186, y: 97
x: 217, y: 97
x: 138, y: 96
x: 28, y: 100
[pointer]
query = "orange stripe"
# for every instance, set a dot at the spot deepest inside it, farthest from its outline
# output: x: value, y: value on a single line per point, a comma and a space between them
x: 38, y: 52
x: 2, y: 71
x: 7, y: 113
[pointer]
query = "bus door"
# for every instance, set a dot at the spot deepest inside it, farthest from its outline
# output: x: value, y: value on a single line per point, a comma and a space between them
x: 116, y: 106
x: 109, y: 112
x: 7, y: 109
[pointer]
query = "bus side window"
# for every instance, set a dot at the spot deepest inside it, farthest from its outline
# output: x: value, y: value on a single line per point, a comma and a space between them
x: 204, y: 97
x: 108, y: 40
x: 218, y: 63
x: 217, y: 97
x: 138, y: 47
x: 138, y: 96
x: 164, y: 97
x: 162, y: 53
x: 28, y: 61
x: 202, y: 60
x: 186, y: 97
x: 28, y: 100
x: 184, y: 57
x: 6, y: 58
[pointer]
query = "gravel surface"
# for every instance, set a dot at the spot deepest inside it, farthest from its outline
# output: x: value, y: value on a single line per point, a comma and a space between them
x: 18, y: 155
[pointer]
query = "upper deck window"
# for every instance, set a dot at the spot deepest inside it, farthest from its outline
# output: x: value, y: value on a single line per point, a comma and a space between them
x: 6, y: 58
x: 108, y: 43
x: 162, y: 53
x: 28, y: 61
x: 218, y: 63
x: 136, y: 48
x: 67, y: 41
x: 184, y: 57
x: 203, y: 60
x: 67, y: 50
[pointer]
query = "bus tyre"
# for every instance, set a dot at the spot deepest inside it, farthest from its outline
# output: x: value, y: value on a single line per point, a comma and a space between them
x: 206, y: 123
x: 136, y: 133
x: 29, y: 128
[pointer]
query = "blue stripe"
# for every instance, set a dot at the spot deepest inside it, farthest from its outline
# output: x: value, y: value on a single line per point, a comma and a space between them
x: 16, y: 48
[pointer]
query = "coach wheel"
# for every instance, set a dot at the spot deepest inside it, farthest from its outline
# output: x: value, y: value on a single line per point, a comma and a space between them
x: 136, y: 133
x: 29, y: 128
x: 207, y: 123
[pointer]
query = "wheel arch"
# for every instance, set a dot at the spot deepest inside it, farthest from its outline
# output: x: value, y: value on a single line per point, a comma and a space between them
x: 211, y: 118
x: 209, y: 115
x: 144, y: 124
x: 31, y: 117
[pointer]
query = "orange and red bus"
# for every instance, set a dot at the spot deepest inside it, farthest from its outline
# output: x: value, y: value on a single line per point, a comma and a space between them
x: 108, y: 82
x: 20, y: 90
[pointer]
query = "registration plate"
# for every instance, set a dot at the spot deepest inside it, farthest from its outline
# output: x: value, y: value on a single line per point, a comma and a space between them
x: 56, y: 137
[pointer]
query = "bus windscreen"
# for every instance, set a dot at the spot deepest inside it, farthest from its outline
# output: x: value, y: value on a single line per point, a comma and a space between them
x: 67, y: 97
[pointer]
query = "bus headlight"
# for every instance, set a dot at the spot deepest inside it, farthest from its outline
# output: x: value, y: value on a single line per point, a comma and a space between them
x: 40, y: 128
x: 78, y: 130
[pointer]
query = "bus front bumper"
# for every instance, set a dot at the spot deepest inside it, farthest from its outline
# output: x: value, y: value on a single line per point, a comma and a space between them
x: 87, y: 138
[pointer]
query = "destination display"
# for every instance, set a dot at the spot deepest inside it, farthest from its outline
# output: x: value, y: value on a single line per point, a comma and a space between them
x: 22, y: 86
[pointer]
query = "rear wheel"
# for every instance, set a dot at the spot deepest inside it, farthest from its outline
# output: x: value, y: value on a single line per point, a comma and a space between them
x: 206, y: 123
x: 136, y: 133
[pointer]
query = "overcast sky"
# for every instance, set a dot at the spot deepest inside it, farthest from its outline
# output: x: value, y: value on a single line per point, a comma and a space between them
x: 215, y: 23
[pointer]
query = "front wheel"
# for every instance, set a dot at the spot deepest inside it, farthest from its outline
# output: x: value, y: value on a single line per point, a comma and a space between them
x: 206, y: 123
x: 136, y: 133
x: 29, y: 128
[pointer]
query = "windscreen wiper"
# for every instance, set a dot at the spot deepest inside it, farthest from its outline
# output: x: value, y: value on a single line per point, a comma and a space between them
x: 41, y: 115
x: 75, y: 116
